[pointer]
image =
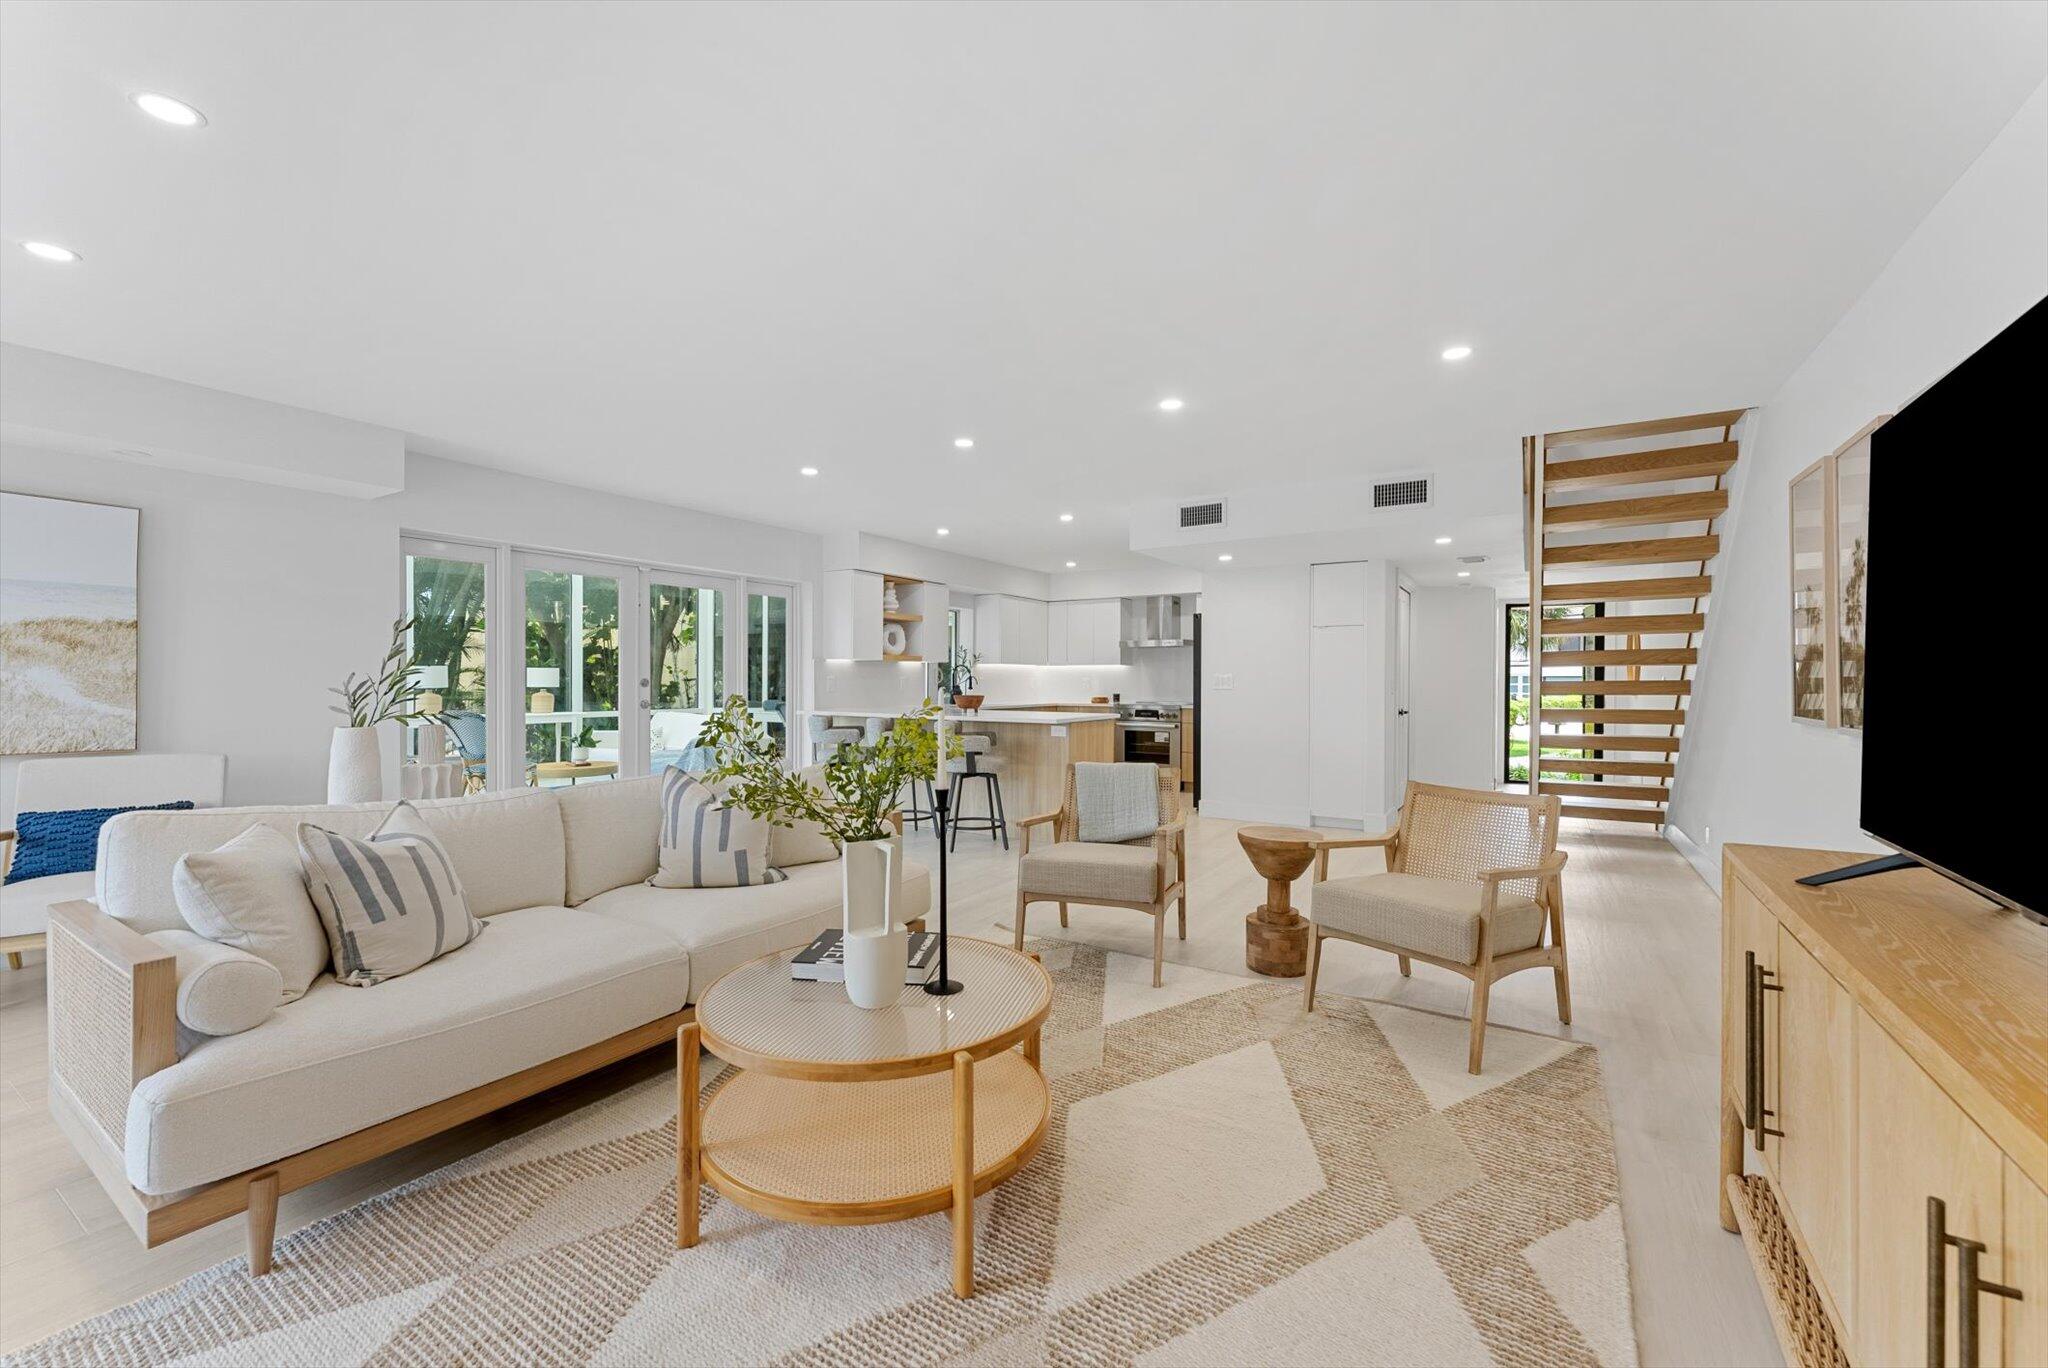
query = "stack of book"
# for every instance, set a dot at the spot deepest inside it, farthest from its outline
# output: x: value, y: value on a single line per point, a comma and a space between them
x: 822, y: 961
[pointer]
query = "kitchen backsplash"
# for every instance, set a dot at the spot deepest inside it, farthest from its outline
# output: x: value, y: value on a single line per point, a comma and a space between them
x: 1162, y: 674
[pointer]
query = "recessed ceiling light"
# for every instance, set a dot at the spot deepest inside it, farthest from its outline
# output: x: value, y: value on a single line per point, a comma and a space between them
x: 1464, y: 574
x: 945, y: 531
x: 50, y: 251
x: 1070, y: 565
x: 1066, y: 517
x: 1224, y: 557
x: 168, y: 110
x: 1457, y: 353
x: 1443, y: 541
x: 964, y: 443
x: 1171, y: 405
x: 808, y: 470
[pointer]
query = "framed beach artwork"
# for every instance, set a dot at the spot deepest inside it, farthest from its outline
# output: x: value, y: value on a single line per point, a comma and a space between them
x: 67, y: 626
x: 1830, y: 508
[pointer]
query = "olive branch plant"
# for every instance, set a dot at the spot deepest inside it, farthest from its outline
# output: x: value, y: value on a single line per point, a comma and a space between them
x: 389, y: 693
x: 862, y: 778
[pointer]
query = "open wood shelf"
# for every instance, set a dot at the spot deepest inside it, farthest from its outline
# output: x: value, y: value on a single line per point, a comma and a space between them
x: 902, y: 659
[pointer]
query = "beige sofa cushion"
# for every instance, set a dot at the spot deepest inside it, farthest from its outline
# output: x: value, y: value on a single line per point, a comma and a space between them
x: 221, y: 990
x: 1438, y: 917
x: 546, y: 981
x: 611, y: 834
x: 802, y: 843
x: 507, y: 848
x: 251, y: 894
x: 1080, y: 870
x: 723, y: 928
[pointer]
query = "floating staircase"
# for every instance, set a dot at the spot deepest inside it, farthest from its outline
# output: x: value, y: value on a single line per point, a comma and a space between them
x: 1606, y: 740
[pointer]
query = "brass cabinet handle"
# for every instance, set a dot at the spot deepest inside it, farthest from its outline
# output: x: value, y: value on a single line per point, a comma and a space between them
x: 1968, y: 1287
x: 1756, y: 1116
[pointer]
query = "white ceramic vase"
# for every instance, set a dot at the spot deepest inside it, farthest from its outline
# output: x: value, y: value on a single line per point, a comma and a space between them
x: 356, y: 765
x: 876, y: 949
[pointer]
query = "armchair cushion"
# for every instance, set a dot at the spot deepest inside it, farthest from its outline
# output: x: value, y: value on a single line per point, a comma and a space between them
x: 25, y: 906
x: 1081, y: 870
x: 1435, y: 917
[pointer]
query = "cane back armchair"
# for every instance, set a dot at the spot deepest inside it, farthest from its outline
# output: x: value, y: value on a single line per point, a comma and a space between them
x: 1148, y: 874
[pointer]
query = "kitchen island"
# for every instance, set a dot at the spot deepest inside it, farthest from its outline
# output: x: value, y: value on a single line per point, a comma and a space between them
x: 1035, y: 746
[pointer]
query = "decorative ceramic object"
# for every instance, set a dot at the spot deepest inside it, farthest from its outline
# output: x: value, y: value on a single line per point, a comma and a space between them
x: 579, y: 754
x: 968, y: 702
x: 355, y: 765
x: 876, y: 949
x: 890, y: 602
x: 895, y: 641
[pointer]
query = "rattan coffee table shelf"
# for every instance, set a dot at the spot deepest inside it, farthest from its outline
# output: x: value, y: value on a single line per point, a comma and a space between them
x: 840, y: 1116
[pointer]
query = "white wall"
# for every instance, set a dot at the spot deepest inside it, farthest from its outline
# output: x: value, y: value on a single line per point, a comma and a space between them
x: 1749, y: 773
x: 1255, y: 742
x: 1454, y: 639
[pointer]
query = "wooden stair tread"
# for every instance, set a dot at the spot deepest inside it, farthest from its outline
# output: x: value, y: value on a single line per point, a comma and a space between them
x: 1635, y: 793
x: 1613, y: 814
x: 1640, y: 655
x: 1646, y: 551
x: 1625, y: 624
x: 1645, y: 769
x: 1608, y: 741
x: 1612, y: 688
x: 1607, y: 717
x: 1654, y: 427
x: 1703, y: 506
x: 1703, y: 462
x: 1624, y: 591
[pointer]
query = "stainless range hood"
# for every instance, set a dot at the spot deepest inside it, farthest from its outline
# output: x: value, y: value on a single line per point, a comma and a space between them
x: 1156, y: 620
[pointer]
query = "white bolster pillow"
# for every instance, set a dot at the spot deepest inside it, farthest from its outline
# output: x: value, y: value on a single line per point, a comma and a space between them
x: 221, y: 990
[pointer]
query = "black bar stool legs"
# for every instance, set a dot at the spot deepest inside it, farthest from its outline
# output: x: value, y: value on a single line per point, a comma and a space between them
x: 994, y: 822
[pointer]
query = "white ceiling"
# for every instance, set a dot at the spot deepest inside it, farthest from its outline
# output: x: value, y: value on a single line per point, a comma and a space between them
x: 680, y: 250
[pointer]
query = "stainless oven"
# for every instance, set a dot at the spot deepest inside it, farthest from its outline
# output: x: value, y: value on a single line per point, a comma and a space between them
x: 1149, y: 733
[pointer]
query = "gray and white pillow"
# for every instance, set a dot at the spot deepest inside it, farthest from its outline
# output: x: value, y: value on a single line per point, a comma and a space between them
x: 705, y: 843
x: 390, y: 904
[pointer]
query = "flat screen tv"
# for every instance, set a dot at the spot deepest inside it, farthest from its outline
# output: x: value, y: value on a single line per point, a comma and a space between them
x: 1958, y: 525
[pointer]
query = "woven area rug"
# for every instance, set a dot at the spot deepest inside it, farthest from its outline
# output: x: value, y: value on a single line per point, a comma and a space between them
x: 1225, y: 1181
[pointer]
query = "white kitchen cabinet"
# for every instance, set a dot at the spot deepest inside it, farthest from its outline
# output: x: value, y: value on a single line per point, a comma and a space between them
x: 1084, y: 632
x: 1057, y: 651
x: 1107, y: 631
x: 1010, y: 631
x: 1338, y: 595
x: 1080, y: 634
x: 852, y: 615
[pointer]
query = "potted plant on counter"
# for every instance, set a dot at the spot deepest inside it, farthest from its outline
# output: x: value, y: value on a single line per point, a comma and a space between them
x: 960, y: 682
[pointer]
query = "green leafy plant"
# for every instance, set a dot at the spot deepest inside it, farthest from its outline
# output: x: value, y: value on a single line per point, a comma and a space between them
x: 862, y: 778
x: 391, y: 692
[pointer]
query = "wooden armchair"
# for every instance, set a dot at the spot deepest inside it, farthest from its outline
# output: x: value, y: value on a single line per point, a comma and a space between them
x: 1145, y: 875
x: 1473, y: 884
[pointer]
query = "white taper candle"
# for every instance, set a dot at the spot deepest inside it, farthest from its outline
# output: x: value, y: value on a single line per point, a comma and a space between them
x: 943, y: 779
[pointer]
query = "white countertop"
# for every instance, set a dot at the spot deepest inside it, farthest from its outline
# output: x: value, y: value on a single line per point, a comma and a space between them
x: 1013, y: 717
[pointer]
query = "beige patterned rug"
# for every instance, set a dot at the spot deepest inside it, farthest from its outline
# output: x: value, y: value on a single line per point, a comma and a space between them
x: 1225, y: 1181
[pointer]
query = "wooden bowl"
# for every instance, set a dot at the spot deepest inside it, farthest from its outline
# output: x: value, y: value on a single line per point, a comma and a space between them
x: 968, y: 702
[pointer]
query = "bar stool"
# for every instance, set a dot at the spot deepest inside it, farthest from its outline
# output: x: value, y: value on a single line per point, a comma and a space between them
x: 977, y: 763
x: 827, y: 738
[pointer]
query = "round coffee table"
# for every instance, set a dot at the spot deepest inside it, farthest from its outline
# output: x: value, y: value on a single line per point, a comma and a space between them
x: 1276, y: 936
x: 836, y: 1115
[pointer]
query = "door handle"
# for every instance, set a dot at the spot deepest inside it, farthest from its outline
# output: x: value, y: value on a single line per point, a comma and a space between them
x: 1969, y: 1285
x: 1400, y: 712
x: 1755, y: 1116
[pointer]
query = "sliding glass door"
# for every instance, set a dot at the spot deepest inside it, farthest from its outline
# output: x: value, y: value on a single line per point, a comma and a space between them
x: 447, y: 597
x: 767, y: 681
x: 685, y: 680
x: 572, y: 670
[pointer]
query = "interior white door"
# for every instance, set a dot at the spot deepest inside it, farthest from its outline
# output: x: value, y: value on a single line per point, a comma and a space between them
x: 1336, y: 760
x: 1401, y: 729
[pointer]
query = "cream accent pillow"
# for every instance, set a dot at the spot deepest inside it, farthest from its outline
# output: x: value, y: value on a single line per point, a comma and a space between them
x: 221, y: 990
x: 804, y: 842
x: 704, y: 843
x: 251, y: 894
x: 390, y: 904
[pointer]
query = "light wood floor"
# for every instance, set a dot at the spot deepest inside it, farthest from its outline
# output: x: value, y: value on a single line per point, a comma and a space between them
x: 1644, y: 939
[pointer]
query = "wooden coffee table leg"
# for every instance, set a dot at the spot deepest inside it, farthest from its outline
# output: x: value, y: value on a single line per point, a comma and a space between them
x: 963, y: 1174
x: 688, y: 1123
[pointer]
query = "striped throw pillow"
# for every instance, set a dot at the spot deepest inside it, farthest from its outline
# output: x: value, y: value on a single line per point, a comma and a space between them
x: 704, y: 843
x: 390, y: 904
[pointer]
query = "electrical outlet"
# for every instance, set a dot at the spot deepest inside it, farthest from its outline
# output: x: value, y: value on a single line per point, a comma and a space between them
x: 1226, y: 681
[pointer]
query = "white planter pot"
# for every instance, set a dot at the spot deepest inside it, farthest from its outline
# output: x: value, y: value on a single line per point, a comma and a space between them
x: 362, y: 764
x: 875, y: 946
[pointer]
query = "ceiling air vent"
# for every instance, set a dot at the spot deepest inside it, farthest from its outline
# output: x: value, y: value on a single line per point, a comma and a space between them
x: 1208, y: 514
x: 1406, y: 492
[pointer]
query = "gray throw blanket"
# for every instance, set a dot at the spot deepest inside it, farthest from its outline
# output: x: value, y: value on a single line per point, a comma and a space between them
x: 1116, y: 802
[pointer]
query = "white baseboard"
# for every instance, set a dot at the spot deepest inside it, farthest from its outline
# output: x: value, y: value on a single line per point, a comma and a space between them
x: 1272, y: 813
x: 1702, y: 861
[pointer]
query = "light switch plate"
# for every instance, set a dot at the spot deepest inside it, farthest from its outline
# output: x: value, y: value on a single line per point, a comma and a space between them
x: 1226, y: 681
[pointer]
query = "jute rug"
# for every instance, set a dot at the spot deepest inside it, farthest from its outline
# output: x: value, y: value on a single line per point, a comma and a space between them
x: 1225, y: 1181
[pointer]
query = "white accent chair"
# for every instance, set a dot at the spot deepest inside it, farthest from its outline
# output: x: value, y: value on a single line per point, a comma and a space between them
x: 92, y: 781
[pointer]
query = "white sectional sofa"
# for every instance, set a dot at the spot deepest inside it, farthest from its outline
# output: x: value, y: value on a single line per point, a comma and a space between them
x: 582, y: 964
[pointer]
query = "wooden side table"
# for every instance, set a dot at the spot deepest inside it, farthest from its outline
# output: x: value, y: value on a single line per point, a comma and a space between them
x: 835, y: 1115
x: 572, y: 770
x: 1275, y: 935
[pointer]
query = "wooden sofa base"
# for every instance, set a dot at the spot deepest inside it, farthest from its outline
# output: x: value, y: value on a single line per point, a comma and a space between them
x: 159, y: 1219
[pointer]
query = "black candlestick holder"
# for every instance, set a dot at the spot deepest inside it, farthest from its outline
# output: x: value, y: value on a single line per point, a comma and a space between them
x: 943, y: 985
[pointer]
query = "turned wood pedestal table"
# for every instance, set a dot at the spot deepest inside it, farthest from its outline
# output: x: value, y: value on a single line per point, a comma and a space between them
x: 836, y: 1115
x: 1276, y: 936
